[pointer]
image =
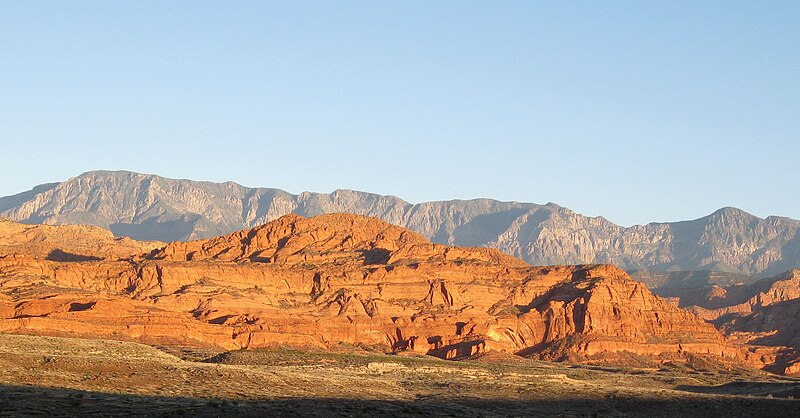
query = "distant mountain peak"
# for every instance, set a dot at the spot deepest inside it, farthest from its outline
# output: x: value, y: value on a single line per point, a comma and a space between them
x: 730, y: 211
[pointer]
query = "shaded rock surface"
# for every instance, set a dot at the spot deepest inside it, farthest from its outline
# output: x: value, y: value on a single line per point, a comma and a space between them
x: 155, y: 208
x: 762, y: 315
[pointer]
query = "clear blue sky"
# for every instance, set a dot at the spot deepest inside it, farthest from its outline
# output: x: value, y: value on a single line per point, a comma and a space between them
x: 636, y: 111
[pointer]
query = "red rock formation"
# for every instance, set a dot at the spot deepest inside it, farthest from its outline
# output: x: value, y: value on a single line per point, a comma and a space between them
x: 349, y: 279
x: 67, y: 242
x: 761, y: 316
x: 742, y: 300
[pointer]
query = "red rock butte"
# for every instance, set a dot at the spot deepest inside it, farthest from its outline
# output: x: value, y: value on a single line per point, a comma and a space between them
x: 336, y: 279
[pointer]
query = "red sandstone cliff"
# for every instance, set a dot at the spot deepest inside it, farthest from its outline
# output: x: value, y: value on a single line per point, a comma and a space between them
x: 349, y: 279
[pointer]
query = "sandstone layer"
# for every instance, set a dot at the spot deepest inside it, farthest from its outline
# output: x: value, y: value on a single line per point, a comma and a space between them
x: 347, y: 279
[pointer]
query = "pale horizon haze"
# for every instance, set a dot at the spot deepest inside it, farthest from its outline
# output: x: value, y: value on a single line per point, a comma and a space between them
x: 634, y: 111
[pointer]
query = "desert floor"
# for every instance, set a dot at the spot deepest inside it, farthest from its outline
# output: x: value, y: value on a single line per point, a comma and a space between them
x: 67, y: 377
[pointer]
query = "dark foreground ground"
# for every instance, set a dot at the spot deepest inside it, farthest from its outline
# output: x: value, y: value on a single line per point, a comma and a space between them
x: 73, y: 377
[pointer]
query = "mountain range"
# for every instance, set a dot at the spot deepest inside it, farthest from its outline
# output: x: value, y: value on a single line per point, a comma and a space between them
x: 150, y: 207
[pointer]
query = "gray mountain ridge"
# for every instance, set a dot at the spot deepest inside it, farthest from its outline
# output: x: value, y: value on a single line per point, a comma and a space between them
x: 151, y: 207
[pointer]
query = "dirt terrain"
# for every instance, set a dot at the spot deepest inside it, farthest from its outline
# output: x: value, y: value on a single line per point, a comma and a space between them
x: 68, y: 377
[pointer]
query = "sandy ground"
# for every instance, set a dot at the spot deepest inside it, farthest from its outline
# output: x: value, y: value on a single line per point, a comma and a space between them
x: 68, y: 377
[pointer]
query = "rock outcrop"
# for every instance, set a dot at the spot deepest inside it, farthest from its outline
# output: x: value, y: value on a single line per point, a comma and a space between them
x: 745, y: 299
x: 155, y: 208
x: 344, y: 278
x: 67, y: 243
x: 761, y: 315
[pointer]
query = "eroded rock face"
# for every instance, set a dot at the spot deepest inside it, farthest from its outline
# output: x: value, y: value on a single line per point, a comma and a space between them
x: 743, y: 300
x: 350, y: 279
x: 762, y: 316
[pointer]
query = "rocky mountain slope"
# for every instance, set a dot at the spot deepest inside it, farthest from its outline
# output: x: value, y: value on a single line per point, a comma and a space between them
x: 347, y: 279
x: 149, y: 207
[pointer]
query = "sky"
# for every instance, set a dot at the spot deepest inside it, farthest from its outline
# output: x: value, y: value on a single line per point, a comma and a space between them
x: 635, y: 111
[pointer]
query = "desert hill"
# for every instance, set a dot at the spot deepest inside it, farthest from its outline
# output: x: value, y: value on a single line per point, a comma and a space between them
x: 149, y: 207
x: 348, y: 279
x: 67, y: 243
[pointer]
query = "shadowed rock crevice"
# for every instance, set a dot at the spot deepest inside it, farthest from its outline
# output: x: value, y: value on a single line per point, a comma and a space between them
x: 79, y: 307
x: 65, y: 257
x: 375, y: 256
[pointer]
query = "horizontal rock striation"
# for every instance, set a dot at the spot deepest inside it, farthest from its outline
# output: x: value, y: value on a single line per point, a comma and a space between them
x: 343, y: 278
